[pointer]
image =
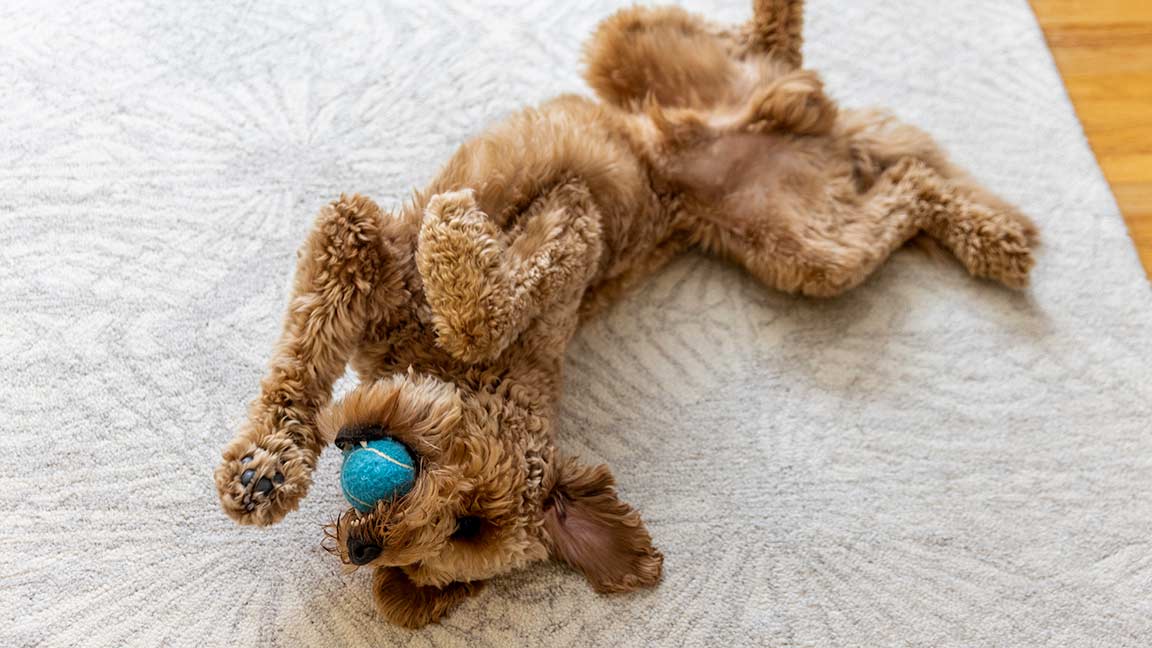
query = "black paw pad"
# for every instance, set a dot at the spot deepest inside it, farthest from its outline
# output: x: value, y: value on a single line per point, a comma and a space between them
x: 264, y: 485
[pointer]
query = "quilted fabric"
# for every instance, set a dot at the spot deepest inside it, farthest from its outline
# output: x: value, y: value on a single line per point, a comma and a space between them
x: 930, y: 461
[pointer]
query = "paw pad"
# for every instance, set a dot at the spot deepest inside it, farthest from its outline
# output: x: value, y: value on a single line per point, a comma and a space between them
x: 262, y: 486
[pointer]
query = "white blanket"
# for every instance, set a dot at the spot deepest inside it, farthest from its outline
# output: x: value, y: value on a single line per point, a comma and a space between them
x: 929, y: 461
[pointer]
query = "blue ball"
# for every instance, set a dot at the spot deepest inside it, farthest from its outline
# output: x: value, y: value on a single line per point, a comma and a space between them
x: 376, y: 470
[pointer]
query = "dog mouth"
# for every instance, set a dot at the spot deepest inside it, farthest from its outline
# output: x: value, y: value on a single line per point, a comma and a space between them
x: 356, y: 546
x: 342, y: 540
x: 355, y: 535
x: 353, y: 435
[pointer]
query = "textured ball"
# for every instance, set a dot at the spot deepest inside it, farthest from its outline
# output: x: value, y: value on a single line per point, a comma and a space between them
x: 374, y: 471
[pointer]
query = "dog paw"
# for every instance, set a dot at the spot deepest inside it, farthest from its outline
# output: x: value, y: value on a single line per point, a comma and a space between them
x: 259, y: 484
x: 457, y: 211
x: 1000, y: 246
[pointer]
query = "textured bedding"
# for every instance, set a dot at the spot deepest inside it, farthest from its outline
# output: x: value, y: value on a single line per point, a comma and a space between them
x: 928, y: 461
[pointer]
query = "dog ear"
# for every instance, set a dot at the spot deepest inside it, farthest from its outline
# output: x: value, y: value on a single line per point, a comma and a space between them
x: 592, y: 531
x: 413, y: 606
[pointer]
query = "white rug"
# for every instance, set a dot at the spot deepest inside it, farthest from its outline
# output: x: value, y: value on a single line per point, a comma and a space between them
x: 931, y: 461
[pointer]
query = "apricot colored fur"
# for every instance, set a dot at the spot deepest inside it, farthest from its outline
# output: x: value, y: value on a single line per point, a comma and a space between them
x: 456, y: 311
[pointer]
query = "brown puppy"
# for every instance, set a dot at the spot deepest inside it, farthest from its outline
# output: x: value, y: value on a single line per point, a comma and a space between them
x: 456, y: 311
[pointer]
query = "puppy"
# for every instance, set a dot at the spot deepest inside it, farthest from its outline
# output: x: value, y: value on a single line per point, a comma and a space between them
x: 456, y: 310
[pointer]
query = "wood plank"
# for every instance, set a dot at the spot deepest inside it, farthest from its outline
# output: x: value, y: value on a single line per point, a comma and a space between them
x: 1104, y: 51
x: 1140, y: 227
x: 1135, y: 85
x: 1092, y: 12
x: 1127, y: 168
x: 1103, y: 60
x: 1098, y: 35
x: 1137, y: 196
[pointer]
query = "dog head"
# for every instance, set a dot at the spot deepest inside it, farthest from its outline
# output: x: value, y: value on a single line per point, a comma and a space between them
x: 490, y: 495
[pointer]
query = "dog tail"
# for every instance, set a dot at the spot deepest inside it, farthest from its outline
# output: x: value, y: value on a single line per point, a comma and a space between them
x: 776, y: 29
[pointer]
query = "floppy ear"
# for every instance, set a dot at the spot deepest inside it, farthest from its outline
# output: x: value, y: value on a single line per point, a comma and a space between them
x: 592, y: 531
x: 413, y: 606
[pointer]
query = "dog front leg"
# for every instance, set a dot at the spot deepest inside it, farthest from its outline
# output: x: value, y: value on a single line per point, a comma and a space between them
x: 483, y: 292
x: 346, y: 276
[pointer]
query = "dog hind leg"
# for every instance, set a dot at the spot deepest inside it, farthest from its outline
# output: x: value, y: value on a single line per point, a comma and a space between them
x: 990, y: 236
x: 823, y: 255
x: 664, y: 53
x: 680, y: 60
x: 776, y: 30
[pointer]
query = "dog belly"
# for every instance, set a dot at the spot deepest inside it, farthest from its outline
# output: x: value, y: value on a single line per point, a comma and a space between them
x: 749, y: 172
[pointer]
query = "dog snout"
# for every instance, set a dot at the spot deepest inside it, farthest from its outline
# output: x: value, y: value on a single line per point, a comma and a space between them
x: 362, y: 553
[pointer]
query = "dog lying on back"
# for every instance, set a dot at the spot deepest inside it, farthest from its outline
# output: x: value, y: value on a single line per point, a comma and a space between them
x: 456, y: 311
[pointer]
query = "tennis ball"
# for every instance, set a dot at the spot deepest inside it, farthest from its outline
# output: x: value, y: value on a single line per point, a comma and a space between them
x: 376, y: 470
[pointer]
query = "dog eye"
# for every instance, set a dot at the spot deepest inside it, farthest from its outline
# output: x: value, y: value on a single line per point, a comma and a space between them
x: 467, y: 527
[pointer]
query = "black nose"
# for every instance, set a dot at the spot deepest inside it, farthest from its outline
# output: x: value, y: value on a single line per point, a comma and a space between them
x: 361, y: 553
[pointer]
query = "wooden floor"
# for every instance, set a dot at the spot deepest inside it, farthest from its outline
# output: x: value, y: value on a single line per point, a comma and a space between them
x: 1104, y: 51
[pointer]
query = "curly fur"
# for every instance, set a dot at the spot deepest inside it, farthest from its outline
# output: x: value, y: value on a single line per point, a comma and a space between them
x: 456, y: 310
